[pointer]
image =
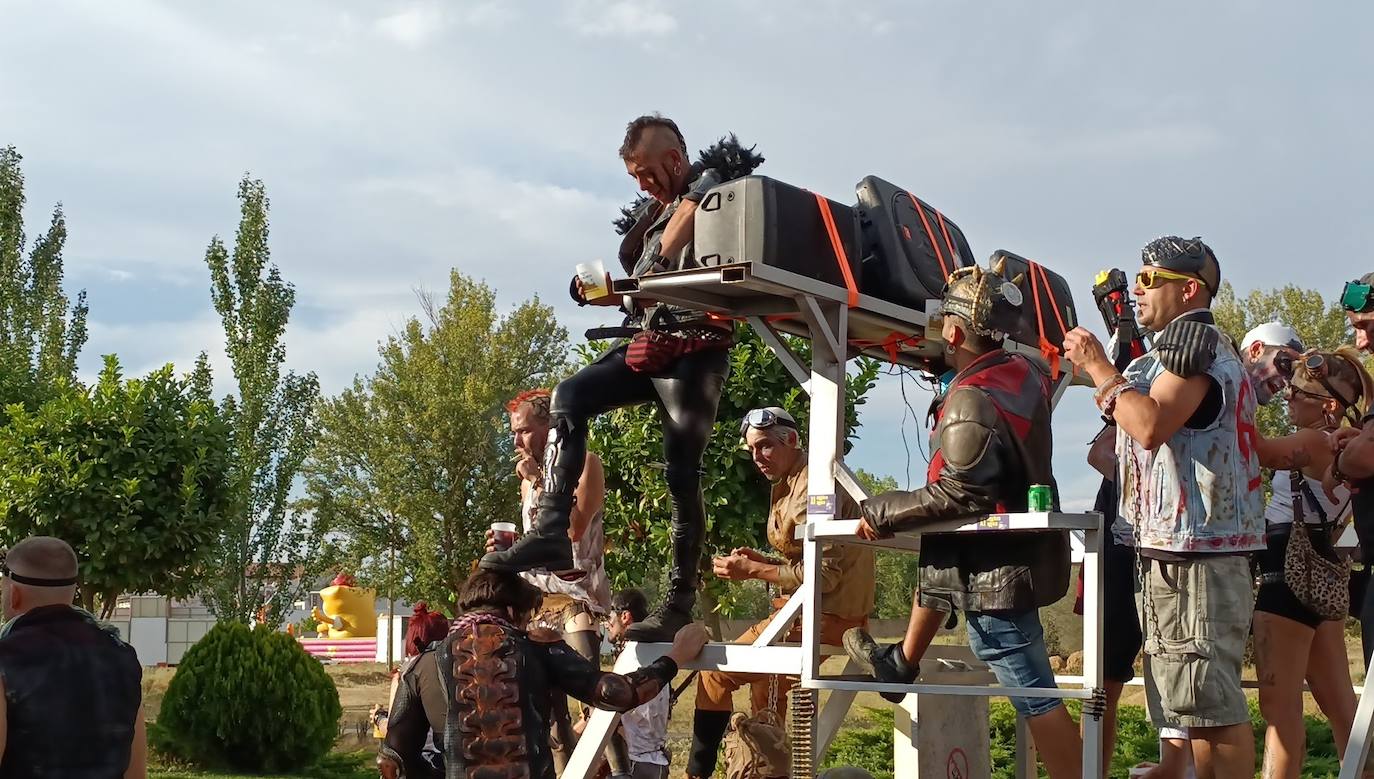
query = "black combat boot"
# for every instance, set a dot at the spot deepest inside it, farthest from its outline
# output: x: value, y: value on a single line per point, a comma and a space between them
x: 885, y: 663
x: 546, y: 547
x: 688, y: 536
x: 665, y: 621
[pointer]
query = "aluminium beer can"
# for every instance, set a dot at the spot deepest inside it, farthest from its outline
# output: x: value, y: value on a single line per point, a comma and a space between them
x: 1039, y: 498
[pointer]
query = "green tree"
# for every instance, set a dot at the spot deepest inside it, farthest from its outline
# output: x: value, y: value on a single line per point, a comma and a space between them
x: 133, y: 474
x: 1322, y: 325
x: 263, y: 549
x: 417, y: 457
x: 896, y: 574
x: 630, y: 443
x: 41, y: 332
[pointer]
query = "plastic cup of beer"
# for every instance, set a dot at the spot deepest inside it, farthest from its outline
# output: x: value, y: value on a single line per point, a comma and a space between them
x: 503, y: 534
x: 593, y: 278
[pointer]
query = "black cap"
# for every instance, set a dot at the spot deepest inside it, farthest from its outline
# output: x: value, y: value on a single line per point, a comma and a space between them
x: 1184, y: 255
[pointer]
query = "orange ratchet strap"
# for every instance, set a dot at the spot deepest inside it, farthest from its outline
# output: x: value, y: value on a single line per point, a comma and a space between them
x: 1049, y: 351
x: 837, y: 245
x: 939, y: 255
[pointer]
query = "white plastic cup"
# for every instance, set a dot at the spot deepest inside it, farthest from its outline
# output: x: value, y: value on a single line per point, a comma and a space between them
x: 593, y: 278
x: 503, y: 534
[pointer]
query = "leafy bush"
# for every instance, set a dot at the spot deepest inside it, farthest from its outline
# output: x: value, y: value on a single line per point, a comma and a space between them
x: 250, y: 700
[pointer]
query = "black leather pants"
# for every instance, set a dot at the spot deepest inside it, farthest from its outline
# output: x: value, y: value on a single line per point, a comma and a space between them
x: 1362, y: 602
x: 686, y: 392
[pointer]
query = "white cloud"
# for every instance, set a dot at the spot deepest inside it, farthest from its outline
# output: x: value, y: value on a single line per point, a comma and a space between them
x: 874, y: 24
x: 1057, y: 132
x: 622, y: 18
x: 336, y: 350
x: 412, y: 27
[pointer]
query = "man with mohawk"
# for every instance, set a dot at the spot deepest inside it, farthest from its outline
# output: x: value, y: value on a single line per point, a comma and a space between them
x: 675, y: 358
x: 991, y: 442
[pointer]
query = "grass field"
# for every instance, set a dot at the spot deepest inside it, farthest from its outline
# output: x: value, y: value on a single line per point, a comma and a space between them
x: 352, y: 765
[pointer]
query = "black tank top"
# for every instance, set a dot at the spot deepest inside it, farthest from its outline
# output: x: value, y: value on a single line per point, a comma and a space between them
x: 72, y: 691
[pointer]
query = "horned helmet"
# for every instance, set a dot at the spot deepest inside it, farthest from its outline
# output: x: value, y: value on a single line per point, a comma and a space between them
x: 985, y: 299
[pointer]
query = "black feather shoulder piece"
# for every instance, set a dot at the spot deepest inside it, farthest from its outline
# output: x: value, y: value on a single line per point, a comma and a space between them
x: 727, y: 156
x: 627, y: 217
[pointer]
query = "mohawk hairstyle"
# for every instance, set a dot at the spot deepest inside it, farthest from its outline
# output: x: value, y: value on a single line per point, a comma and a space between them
x: 537, y: 399
x: 634, y: 131
x: 727, y: 156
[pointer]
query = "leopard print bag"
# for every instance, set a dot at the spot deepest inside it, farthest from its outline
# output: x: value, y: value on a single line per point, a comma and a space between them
x: 1320, y: 583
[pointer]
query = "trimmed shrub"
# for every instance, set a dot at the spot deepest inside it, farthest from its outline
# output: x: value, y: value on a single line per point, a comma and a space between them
x: 249, y: 700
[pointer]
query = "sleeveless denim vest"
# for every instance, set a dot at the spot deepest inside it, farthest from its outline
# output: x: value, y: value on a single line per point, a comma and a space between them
x: 1200, y: 490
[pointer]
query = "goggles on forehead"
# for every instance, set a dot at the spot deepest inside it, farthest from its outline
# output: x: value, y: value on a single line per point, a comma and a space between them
x: 1357, y: 298
x: 762, y: 418
x: 1155, y: 277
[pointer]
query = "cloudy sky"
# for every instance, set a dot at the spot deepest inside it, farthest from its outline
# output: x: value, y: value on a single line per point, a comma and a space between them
x: 401, y: 139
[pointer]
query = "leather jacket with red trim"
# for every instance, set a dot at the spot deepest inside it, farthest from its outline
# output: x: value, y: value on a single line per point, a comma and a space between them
x: 992, y: 441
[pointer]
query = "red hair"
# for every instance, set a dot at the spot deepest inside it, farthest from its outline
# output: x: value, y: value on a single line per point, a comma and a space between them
x: 425, y: 628
x: 537, y: 399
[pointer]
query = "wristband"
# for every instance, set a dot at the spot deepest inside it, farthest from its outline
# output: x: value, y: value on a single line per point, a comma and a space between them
x: 1336, y: 468
x: 1110, y: 404
x: 1110, y: 391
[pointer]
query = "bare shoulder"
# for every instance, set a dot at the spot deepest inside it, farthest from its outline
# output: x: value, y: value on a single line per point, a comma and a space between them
x: 593, y: 461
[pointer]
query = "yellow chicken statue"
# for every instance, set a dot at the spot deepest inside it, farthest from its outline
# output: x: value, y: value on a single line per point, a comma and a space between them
x: 349, y: 611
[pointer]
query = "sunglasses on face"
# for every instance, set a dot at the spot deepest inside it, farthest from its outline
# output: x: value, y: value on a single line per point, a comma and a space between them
x: 1315, y: 366
x: 1293, y: 393
x: 1151, y: 279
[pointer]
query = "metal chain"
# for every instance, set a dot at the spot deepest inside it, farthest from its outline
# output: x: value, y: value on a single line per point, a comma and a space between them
x: 1147, y: 612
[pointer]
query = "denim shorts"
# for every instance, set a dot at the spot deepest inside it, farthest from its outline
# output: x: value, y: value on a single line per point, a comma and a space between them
x: 1012, y: 643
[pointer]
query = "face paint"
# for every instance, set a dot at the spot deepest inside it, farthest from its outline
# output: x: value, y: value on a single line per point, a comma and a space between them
x: 1267, y: 378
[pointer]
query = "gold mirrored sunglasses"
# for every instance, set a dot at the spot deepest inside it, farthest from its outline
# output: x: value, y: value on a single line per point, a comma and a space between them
x: 1150, y: 279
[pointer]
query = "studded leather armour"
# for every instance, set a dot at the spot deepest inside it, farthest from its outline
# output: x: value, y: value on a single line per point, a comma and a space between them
x: 500, y: 685
x: 992, y: 441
